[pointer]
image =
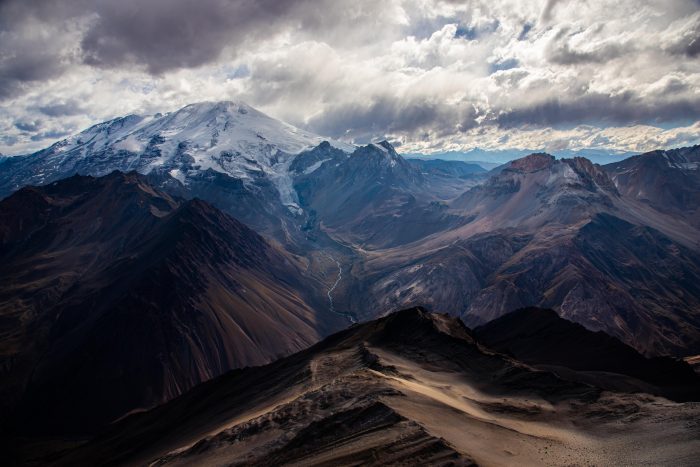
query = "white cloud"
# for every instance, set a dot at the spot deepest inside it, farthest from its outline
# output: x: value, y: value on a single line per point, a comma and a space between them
x: 433, y: 75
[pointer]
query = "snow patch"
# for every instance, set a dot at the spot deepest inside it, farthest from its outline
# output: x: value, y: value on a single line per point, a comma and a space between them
x: 562, y: 173
x: 227, y: 137
x: 315, y: 166
x: 381, y: 148
x: 178, y: 175
x: 131, y: 144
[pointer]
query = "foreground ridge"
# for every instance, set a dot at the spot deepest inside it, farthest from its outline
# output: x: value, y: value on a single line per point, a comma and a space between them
x: 413, y: 387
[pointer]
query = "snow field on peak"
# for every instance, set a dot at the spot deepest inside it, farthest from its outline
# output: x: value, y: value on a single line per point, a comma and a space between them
x: 227, y: 137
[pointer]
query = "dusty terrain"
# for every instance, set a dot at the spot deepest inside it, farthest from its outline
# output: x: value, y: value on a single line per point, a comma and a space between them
x: 413, y: 388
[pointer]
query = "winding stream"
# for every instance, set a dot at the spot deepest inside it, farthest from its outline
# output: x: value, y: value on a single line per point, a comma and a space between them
x: 332, y: 288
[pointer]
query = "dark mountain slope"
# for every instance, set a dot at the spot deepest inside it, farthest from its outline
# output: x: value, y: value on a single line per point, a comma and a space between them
x: 412, y: 388
x: 629, y: 281
x: 447, y: 168
x: 115, y: 296
x: 556, y: 234
x: 373, y: 197
x: 667, y: 180
x: 540, y: 337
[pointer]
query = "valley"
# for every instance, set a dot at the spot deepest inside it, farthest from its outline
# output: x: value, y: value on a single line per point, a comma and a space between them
x: 349, y: 233
x: 443, y: 234
x: 200, y: 258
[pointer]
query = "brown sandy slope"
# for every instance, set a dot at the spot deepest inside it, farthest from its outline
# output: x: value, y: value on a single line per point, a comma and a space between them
x: 115, y: 296
x: 412, y: 389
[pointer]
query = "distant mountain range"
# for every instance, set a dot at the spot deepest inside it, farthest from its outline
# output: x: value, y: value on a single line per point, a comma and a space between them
x: 150, y: 254
x: 558, y: 234
x: 491, y: 158
x: 612, y: 247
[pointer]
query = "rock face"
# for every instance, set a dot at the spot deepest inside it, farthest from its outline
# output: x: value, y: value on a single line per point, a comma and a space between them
x: 373, y: 198
x: 557, y: 234
x: 538, y: 190
x: 667, y: 180
x: 410, y: 388
x: 115, y: 296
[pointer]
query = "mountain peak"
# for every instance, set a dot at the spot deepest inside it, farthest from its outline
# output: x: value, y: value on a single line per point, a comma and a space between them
x: 225, y: 106
x: 577, y: 174
x: 228, y: 137
x: 386, y: 145
x: 382, y: 159
x: 592, y: 175
x: 533, y: 163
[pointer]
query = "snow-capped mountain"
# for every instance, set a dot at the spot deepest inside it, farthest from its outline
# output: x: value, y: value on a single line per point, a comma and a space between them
x: 226, y: 137
x: 274, y: 177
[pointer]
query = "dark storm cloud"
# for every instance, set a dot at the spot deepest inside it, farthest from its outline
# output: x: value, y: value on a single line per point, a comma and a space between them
x: 601, y: 108
x: 158, y: 34
x: 561, y: 52
x: 28, y: 126
x: 50, y: 135
x: 13, y: 11
x: 28, y: 67
x: 35, y: 45
x: 25, y: 64
x: 689, y: 42
x: 163, y: 35
x: 61, y: 109
x: 386, y: 115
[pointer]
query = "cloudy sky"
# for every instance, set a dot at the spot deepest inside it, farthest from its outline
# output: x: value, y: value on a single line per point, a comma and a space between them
x: 429, y: 75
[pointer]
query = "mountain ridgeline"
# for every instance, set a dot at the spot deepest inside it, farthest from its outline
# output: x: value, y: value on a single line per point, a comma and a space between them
x: 113, y: 290
x: 412, y: 388
x: 614, y: 248
x: 194, y: 261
